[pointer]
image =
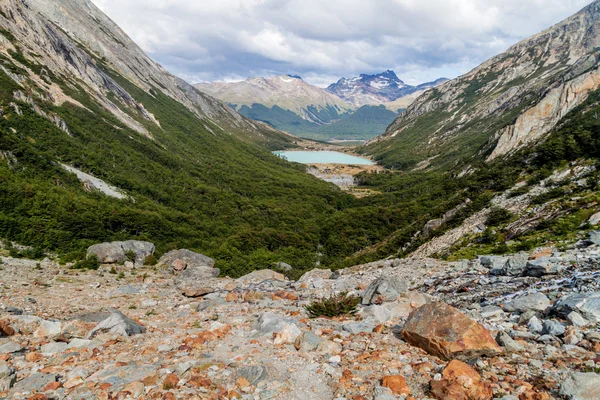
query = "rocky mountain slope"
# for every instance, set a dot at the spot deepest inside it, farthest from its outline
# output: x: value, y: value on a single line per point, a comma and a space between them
x: 509, y: 102
x: 74, y: 39
x: 289, y: 93
x: 497, y: 327
x: 377, y: 89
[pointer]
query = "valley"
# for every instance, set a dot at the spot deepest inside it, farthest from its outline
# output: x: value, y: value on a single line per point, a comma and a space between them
x: 269, y: 238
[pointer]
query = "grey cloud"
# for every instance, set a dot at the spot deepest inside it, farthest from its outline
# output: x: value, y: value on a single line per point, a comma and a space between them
x: 322, y: 40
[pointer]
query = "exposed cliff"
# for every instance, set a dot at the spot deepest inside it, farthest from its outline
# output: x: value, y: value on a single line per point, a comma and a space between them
x: 508, y: 102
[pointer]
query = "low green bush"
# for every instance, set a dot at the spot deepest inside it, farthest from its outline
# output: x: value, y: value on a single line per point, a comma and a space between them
x: 334, y: 306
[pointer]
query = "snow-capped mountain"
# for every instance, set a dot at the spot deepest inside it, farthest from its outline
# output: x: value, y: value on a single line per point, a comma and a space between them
x: 287, y: 92
x: 376, y: 89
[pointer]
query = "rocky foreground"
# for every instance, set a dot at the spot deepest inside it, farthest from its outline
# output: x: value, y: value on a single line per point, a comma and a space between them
x: 518, y: 327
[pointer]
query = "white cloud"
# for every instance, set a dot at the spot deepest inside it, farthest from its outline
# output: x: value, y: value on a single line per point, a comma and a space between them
x: 324, y: 40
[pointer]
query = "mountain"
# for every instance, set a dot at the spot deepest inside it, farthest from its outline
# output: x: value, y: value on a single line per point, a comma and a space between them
x: 98, y: 142
x: 376, y: 89
x: 508, y: 103
x: 289, y: 93
x: 288, y: 103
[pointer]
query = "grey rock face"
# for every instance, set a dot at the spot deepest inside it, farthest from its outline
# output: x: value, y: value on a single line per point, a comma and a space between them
x: 8, y: 377
x: 553, y: 328
x: 114, y: 252
x: 179, y: 260
x: 545, y: 266
x: 316, y: 274
x: 532, y: 302
x: 493, y: 262
x: 384, y: 288
x: 515, y: 265
x: 119, y: 324
x: 269, y: 323
x: 576, y: 319
x: 581, y: 386
x: 535, y: 325
x: 34, y: 382
x: 194, y: 270
x: 585, y: 304
x: 358, y: 327
x: 10, y: 347
x: 53, y: 348
x: 307, y: 341
x: 507, y: 342
x: 254, y: 374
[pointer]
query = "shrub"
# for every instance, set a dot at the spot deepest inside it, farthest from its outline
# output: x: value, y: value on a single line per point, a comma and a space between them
x: 130, y: 254
x: 498, y: 216
x: 150, y: 260
x: 92, y: 262
x: 334, y: 306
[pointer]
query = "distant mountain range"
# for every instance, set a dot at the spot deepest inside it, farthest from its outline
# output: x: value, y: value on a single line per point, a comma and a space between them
x: 289, y: 103
x: 376, y: 89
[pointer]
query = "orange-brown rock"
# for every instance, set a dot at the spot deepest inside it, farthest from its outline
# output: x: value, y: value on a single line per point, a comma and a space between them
x: 38, y: 396
x: 397, y: 384
x: 170, y: 382
x: 283, y: 295
x: 6, y: 329
x: 445, y: 332
x: 231, y: 297
x: 460, y: 382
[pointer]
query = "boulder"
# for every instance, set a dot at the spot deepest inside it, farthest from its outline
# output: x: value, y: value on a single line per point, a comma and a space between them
x: 271, y: 324
x: 545, y: 266
x: 493, y: 262
x: 515, y: 265
x: 307, y: 341
x: 384, y: 289
x: 587, y: 305
x: 115, y: 252
x: 316, y: 274
x: 581, y: 386
x: 118, y: 324
x: 508, y: 343
x: 531, y: 302
x: 535, y: 325
x: 180, y: 260
x: 397, y: 384
x: 198, y: 277
x: 284, y: 266
x: 553, y: 328
x: 445, y: 332
x: 460, y: 382
x: 260, y: 276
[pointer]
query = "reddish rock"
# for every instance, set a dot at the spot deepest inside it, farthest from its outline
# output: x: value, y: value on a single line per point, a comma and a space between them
x: 170, y: 382
x: 397, y: 384
x: 179, y: 265
x: 6, y: 329
x: 231, y: 297
x: 460, y: 382
x: 445, y: 332
x: 285, y: 296
x: 38, y: 396
x: 52, y: 386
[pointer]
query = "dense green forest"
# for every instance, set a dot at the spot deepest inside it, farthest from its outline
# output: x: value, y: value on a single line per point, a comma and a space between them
x: 363, y: 124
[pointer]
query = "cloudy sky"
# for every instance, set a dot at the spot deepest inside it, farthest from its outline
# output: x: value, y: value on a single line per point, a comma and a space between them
x: 323, y: 40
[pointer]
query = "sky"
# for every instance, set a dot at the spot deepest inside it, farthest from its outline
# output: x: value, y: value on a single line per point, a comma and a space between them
x: 324, y: 40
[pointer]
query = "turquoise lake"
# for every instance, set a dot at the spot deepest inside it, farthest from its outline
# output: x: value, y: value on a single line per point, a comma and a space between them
x: 322, y: 157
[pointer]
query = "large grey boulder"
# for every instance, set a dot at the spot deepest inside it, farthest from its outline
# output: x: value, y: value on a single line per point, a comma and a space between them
x: 197, y: 281
x: 118, y: 324
x: 115, y: 252
x: 581, y: 386
x: 180, y: 260
x: 585, y: 304
x: 493, y: 262
x: 515, y: 265
x: 545, y: 266
x: 385, y: 289
x: 531, y: 302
